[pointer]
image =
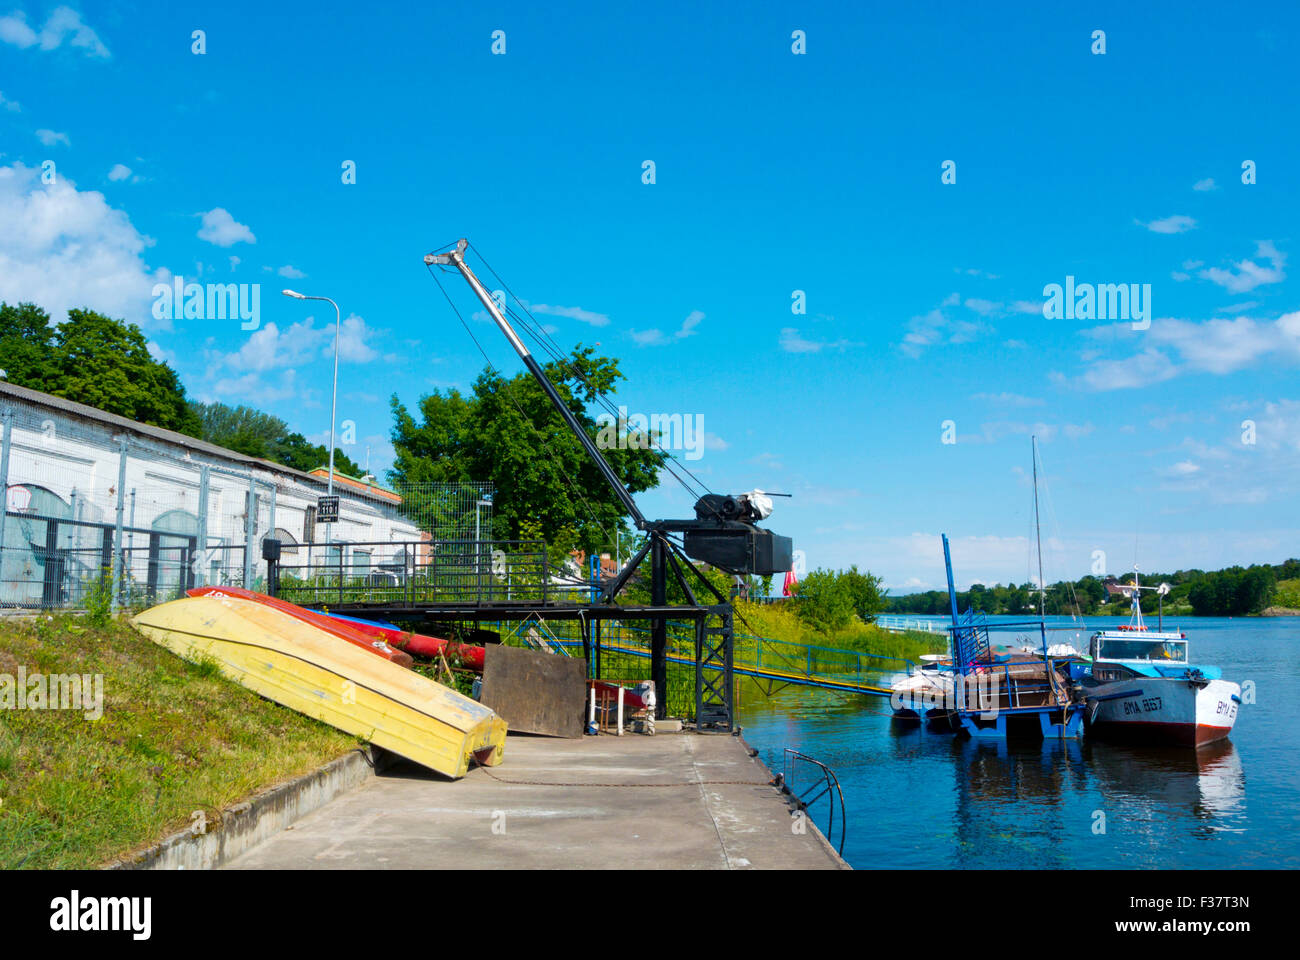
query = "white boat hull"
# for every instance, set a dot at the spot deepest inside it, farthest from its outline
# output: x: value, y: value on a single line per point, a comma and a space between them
x: 1163, y: 710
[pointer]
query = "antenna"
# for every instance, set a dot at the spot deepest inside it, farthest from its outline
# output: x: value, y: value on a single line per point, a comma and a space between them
x: 1038, y: 535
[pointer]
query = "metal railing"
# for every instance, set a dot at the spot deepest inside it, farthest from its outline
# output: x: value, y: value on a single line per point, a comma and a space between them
x: 407, y: 573
x: 40, y: 577
x: 822, y: 782
x: 901, y: 624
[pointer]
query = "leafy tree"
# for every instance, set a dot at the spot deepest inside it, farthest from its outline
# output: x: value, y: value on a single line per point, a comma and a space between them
x: 25, y: 344
x: 864, y: 590
x: 824, y: 600
x: 93, y: 359
x: 508, y: 433
x: 258, y: 434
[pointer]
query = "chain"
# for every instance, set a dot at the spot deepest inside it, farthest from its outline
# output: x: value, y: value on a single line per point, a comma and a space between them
x: 686, y: 783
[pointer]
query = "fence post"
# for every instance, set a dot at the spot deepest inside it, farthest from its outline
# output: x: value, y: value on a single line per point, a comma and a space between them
x: 250, y: 532
x: 118, y: 525
x: 204, y: 477
x: 8, y: 421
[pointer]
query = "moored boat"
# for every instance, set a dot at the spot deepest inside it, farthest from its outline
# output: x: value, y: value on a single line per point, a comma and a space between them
x: 1143, y: 688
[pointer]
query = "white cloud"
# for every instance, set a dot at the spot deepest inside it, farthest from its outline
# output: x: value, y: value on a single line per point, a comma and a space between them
x: 793, y: 342
x: 63, y: 247
x: 983, y: 307
x: 120, y: 171
x: 1174, y: 224
x: 353, y: 345
x: 221, y: 229
x: 14, y: 30
x: 293, y: 273
x: 936, y: 328
x: 1141, y: 370
x: 1218, y: 346
x: 655, y: 337
x: 11, y: 105
x: 301, y: 343
x: 573, y: 313
x: 1248, y: 275
x: 49, y: 138
x: 267, y: 348
x: 1009, y: 399
x: 63, y: 24
x: 1027, y: 306
x: 1204, y: 185
x: 252, y: 389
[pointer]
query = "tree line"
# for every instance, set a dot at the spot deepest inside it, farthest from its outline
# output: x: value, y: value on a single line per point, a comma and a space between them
x: 1231, y: 592
x: 106, y: 364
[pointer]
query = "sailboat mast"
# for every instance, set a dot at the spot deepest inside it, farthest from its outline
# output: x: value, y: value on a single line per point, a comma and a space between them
x: 1038, y: 535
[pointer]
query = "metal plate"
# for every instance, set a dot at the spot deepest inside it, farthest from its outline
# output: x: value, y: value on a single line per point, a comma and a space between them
x: 535, y: 692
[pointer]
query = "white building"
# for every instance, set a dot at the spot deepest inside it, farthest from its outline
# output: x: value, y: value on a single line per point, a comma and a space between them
x: 78, y: 480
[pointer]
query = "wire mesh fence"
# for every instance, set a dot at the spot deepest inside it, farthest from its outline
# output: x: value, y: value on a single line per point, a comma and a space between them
x: 417, y: 572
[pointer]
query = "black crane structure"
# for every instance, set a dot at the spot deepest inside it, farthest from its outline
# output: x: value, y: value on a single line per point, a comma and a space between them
x: 723, y: 534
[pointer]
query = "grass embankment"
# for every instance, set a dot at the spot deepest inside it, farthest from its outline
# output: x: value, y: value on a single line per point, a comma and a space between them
x: 1286, y: 600
x: 779, y: 622
x: 175, y: 737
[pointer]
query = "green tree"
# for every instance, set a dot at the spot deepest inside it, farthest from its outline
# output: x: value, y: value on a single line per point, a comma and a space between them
x: 507, y: 432
x: 26, y: 339
x: 257, y: 434
x: 864, y: 590
x: 824, y: 600
x: 95, y: 360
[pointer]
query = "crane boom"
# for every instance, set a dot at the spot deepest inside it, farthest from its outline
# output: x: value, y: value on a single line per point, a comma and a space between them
x: 456, y: 258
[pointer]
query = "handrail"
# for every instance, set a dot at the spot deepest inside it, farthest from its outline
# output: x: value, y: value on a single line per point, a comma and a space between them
x: 828, y: 783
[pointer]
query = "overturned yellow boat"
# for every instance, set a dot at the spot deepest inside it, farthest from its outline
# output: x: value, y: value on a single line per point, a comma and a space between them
x: 303, y: 667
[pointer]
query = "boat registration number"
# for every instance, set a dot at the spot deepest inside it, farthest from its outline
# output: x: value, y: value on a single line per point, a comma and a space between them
x: 1228, y: 710
x: 1145, y: 705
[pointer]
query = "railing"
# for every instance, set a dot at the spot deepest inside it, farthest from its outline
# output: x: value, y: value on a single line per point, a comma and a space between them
x: 777, y: 661
x: 901, y: 624
x: 413, y: 572
x: 822, y: 783
x: 155, y: 570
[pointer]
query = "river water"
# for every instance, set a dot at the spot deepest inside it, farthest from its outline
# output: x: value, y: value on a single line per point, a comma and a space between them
x: 921, y: 799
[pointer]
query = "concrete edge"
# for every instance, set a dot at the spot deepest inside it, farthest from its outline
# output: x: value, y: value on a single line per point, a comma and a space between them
x: 757, y: 757
x: 246, y: 824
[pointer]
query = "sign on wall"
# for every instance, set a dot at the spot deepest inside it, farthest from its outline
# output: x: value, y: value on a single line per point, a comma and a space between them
x: 327, y: 510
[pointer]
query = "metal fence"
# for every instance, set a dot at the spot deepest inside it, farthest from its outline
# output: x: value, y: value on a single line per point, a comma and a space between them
x: 456, y: 510
x: 415, y: 572
x: 85, y: 499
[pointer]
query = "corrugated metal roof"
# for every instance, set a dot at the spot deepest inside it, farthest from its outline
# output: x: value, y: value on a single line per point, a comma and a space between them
x: 71, y: 407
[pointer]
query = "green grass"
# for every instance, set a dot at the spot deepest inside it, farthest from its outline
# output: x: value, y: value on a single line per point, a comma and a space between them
x: 1288, y: 594
x: 779, y: 622
x: 175, y: 737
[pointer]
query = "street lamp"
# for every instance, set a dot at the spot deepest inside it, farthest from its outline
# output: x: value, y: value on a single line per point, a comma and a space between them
x: 334, y: 400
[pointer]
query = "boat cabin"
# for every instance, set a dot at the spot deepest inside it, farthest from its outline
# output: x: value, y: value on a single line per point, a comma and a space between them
x: 1118, y: 655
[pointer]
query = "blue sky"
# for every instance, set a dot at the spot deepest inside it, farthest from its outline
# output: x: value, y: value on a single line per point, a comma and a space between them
x: 774, y: 172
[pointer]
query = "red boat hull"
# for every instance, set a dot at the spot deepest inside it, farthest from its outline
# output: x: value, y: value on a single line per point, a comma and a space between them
x: 338, y: 628
x: 418, y: 643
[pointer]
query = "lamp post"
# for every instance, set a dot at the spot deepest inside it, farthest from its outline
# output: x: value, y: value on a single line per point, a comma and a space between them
x: 334, y: 399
